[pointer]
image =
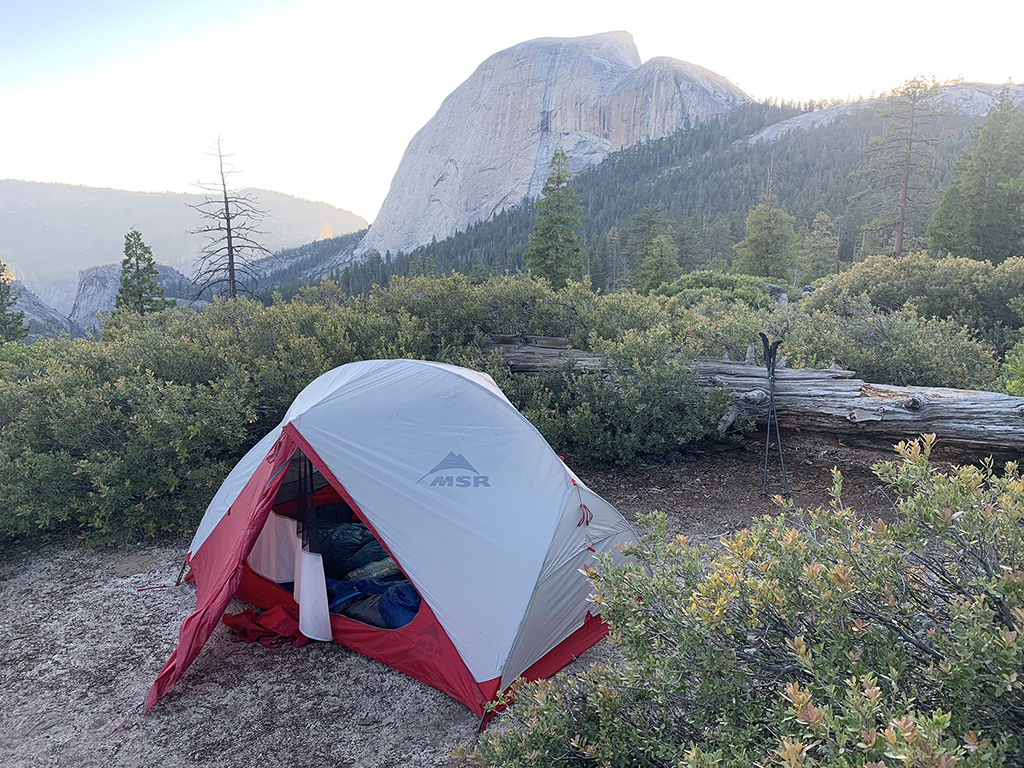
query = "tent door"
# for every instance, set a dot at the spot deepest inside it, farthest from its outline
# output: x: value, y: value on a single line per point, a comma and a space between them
x: 288, y: 548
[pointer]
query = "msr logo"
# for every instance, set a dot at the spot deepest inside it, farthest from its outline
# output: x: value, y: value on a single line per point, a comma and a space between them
x: 453, y: 471
x: 428, y: 642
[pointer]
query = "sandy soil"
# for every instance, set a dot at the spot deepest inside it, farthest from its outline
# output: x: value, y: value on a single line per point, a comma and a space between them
x: 82, y: 637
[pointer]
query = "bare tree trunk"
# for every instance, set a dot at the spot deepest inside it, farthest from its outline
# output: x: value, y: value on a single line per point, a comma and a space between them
x: 232, y: 288
x: 901, y: 212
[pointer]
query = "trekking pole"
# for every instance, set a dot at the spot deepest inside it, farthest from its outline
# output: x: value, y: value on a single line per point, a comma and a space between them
x: 771, y: 351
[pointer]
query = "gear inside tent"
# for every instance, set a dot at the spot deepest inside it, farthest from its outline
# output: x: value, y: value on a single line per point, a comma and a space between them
x: 405, y: 509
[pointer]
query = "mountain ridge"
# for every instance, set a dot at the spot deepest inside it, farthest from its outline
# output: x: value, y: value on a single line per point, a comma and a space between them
x: 670, y: 163
x: 973, y: 99
x: 52, y: 231
x: 43, y: 321
x: 489, y: 144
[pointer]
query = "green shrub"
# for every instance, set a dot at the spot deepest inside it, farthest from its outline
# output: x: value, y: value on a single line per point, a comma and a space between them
x: 520, y: 304
x: 615, y: 314
x: 93, y: 439
x: 973, y: 293
x: 711, y: 326
x: 809, y: 639
x: 1011, y: 378
x: 131, y: 435
x: 901, y: 347
x: 941, y: 287
x: 646, y: 404
x: 694, y: 287
x: 449, y: 306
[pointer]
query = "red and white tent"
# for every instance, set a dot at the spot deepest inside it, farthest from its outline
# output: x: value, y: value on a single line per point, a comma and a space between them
x: 469, y: 500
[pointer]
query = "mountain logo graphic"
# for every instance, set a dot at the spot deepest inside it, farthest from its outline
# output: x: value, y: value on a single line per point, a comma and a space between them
x: 455, y: 471
x: 428, y: 642
x: 430, y: 631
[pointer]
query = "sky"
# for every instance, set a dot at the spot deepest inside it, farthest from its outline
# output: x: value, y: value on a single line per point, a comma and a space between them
x: 319, y: 99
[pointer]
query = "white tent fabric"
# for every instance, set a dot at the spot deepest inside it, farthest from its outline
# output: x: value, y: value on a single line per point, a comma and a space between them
x: 232, y: 486
x: 278, y: 556
x: 560, y: 600
x: 479, y: 512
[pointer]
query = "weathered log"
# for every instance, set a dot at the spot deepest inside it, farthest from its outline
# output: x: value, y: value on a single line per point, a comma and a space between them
x: 832, y: 401
x: 532, y: 354
x: 829, y: 401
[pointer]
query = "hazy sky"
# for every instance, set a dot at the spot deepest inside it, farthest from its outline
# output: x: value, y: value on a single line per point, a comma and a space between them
x: 319, y: 99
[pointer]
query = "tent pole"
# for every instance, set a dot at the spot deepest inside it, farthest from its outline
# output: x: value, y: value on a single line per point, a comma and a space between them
x: 181, y: 573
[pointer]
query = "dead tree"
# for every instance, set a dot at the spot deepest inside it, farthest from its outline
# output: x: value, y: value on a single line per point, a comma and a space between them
x: 231, y: 225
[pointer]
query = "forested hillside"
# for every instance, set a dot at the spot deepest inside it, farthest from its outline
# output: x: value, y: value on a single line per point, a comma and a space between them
x: 706, y: 178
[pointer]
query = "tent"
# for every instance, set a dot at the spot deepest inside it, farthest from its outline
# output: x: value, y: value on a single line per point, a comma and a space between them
x: 467, y: 498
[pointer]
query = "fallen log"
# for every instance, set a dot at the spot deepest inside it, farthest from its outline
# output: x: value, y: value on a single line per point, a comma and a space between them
x: 830, y: 401
x: 530, y: 355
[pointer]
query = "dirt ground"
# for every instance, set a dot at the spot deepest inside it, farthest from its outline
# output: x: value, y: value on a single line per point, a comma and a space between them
x: 82, y: 636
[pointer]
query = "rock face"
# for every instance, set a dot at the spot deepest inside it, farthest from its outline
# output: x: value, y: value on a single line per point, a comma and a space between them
x: 971, y: 99
x: 42, y: 319
x: 490, y: 143
x: 98, y: 287
x: 309, y: 263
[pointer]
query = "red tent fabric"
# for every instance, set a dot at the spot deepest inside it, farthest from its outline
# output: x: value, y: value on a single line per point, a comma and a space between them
x: 217, y: 569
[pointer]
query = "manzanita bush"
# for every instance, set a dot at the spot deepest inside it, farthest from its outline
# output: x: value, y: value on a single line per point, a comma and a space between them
x: 130, y: 434
x: 812, y: 638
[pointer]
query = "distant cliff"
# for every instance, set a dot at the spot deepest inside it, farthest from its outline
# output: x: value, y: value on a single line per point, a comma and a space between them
x: 98, y: 288
x: 42, y: 319
x: 491, y: 141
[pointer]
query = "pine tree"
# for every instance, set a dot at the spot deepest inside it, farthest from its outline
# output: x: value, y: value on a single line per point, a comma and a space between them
x: 817, y: 255
x: 614, y: 271
x: 650, y: 249
x: 11, y: 322
x: 659, y: 264
x: 595, y: 262
x: 555, y: 252
x: 718, y: 243
x: 980, y: 215
x: 900, y: 158
x: 769, y: 249
x: 139, y: 292
x: 688, y: 247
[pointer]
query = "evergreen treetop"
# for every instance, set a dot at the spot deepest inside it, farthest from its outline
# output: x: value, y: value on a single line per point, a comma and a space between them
x: 900, y: 159
x: 981, y: 214
x: 769, y: 249
x: 11, y: 322
x: 555, y: 252
x: 819, y: 247
x: 139, y: 292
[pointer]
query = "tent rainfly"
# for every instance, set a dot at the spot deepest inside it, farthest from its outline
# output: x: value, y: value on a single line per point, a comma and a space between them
x: 471, y: 504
